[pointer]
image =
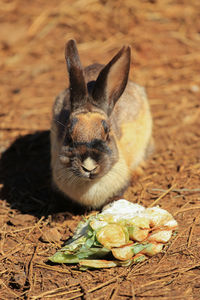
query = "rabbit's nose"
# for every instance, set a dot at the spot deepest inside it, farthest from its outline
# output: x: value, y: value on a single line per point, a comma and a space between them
x: 89, y: 165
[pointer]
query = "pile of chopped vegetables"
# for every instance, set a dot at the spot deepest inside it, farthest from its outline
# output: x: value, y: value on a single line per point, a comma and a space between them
x: 122, y: 234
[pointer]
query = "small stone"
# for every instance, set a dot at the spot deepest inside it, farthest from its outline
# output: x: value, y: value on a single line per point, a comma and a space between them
x: 50, y: 235
x: 20, y: 278
x: 22, y: 219
x: 194, y: 88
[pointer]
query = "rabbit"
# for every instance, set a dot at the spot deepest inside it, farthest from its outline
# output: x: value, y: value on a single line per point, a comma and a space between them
x: 101, y: 130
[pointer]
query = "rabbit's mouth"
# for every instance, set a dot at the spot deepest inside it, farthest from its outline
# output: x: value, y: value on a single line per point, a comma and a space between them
x: 89, y: 175
x: 89, y: 168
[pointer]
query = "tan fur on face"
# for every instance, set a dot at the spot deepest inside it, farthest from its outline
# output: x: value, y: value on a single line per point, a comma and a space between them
x: 88, y: 127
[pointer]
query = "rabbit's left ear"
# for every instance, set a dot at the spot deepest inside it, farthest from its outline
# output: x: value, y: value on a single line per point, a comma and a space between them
x: 78, y: 88
x: 112, y: 80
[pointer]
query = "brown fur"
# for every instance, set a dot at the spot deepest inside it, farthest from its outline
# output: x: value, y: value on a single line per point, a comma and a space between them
x: 99, y: 140
x: 91, y: 72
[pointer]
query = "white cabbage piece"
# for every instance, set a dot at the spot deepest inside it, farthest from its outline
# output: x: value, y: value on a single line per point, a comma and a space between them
x: 122, y: 210
x: 159, y: 217
x: 162, y: 236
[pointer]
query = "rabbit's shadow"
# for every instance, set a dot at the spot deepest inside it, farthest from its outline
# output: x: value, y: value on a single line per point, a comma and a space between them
x: 25, y: 175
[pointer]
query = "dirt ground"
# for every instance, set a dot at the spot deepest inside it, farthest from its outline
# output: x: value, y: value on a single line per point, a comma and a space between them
x: 34, y: 220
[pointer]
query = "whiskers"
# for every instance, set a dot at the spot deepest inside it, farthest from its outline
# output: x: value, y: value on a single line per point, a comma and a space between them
x: 68, y: 176
x: 58, y: 130
x: 60, y: 123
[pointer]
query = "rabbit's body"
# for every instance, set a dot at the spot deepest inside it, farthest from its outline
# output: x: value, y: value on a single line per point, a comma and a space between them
x: 115, y: 158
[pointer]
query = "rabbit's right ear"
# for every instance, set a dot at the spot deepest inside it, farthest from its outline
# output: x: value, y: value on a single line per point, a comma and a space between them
x: 78, y: 88
x: 112, y: 80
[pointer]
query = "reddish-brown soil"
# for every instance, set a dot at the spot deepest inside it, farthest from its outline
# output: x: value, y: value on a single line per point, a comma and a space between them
x: 34, y: 220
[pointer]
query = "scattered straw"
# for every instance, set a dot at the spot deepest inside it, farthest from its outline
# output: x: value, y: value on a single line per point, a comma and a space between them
x: 107, y: 282
x: 55, y: 292
x: 162, y: 196
x: 178, y: 190
x: 55, y: 269
x: 18, y: 247
x: 166, y: 253
x: 110, y: 292
x: 187, y: 209
x: 66, y: 293
x: 74, y: 297
x: 30, y: 268
x: 102, y: 285
x: 195, y: 222
x: 163, y: 297
x: 114, y: 295
x: 133, y: 292
x: 10, y: 290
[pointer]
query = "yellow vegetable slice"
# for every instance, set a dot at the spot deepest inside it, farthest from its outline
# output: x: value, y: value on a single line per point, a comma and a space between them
x: 123, y: 253
x: 97, y: 224
x: 139, y: 258
x: 152, y: 249
x: 112, y: 235
x: 138, y: 221
x: 97, y: 263
x: 137, y: 234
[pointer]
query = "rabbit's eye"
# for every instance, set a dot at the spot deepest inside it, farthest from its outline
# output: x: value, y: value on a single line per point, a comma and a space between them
x: 68, y: 140
x: 105, y: 126
x: 106, y: 129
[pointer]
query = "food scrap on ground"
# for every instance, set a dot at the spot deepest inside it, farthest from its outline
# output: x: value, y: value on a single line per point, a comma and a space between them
x: 124, y: 233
